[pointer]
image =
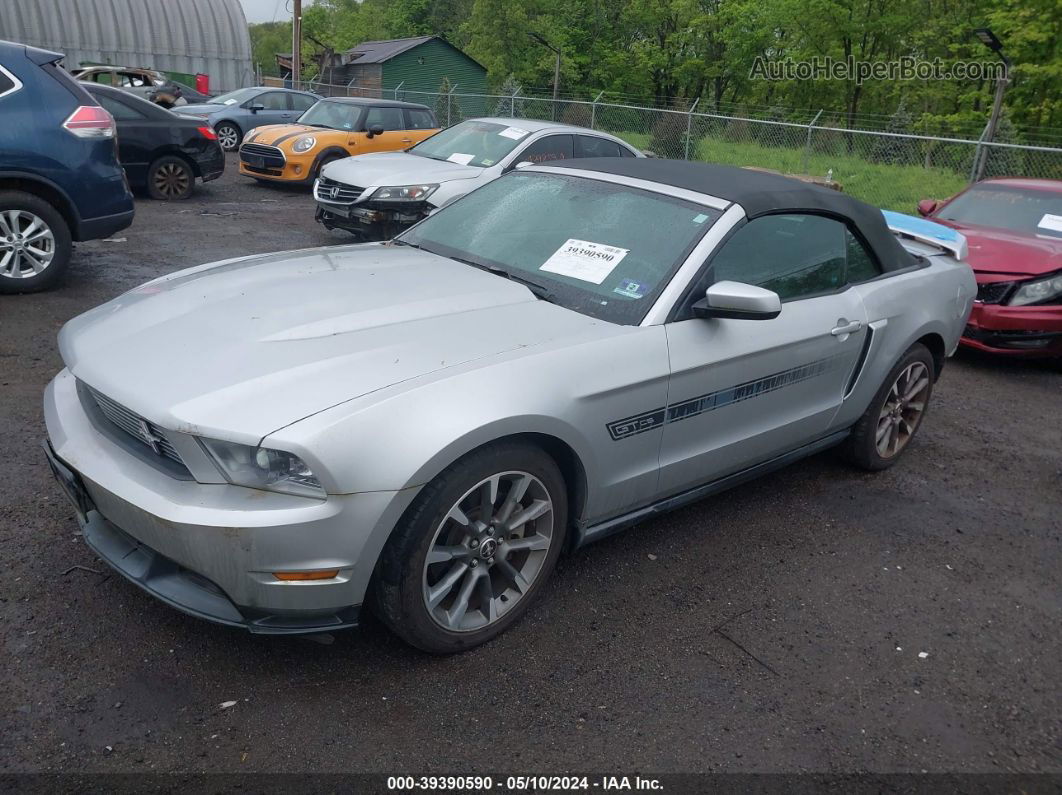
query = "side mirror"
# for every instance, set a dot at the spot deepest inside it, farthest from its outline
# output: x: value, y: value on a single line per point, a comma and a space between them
x: 376, y: 129
x: 927, y: 207
x: 738, y: 301
x: 256, y: 107
x: 521, y: 164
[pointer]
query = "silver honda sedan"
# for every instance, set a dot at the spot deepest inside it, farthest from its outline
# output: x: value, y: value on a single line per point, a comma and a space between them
x: 426, y: 425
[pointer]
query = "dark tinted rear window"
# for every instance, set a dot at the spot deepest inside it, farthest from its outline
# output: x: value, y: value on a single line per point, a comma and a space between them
x: 6, y: 84
x: 592, y: 146
x: 70, y: 84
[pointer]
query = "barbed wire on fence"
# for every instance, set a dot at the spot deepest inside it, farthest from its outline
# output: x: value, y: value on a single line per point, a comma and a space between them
x: 889, y: 169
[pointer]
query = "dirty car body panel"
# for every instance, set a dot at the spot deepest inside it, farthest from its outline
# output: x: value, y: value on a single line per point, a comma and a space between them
x: 377, y: 366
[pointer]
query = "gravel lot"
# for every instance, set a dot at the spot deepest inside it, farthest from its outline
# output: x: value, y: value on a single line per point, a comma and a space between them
x: 778, y: 627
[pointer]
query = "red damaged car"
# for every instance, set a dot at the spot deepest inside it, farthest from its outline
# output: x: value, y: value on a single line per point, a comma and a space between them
x: 1014, y: 231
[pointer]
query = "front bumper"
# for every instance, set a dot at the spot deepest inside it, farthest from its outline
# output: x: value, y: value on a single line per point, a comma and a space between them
x: 367, y: 222
x: 294, y: 170
x: 1021, y: 331
x: 210, y: 550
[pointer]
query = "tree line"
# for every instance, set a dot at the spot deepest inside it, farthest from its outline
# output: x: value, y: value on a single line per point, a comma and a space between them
x: 674, y: 52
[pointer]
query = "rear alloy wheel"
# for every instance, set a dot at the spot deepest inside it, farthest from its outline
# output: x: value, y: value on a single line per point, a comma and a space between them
x: 474, y: 549
x: 34, y: 243
x: 228, y: 136
x: 890, y: 422
x: 170, y: 178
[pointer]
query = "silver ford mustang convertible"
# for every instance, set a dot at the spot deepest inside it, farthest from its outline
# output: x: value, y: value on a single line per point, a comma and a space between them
x: 426, y: 425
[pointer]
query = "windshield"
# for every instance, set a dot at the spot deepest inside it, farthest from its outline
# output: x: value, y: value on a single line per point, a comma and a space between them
x: 237, y: 97
x: 1030, y: 212
x: 598, y: 248
x: 333, y: 115
x: 472, y: 143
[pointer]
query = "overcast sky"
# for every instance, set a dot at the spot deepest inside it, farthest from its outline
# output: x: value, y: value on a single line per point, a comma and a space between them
x: 268, y: 10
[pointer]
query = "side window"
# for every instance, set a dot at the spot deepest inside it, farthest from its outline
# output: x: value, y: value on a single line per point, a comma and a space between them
x: 301, y: 102
x: 271, y: 100
x: 625, y: 152
x: 119, y: 110
x: 592, y: 146
x: 552, y: 147
x: 861, y: 266
x: 388, y: 118
x: 420, y: 120
x: 6, y: 83
x: 793, y: 255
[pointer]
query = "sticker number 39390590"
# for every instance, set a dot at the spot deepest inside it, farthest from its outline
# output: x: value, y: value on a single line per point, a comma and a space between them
x: 585, y: 260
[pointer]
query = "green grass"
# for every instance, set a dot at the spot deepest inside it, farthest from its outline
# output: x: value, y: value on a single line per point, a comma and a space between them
x: 891, y: 187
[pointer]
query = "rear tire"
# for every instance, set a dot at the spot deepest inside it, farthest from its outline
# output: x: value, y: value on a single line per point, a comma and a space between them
x: 892, y: 419
x: 493, y: 524
x: 170, y: 178
x: 35, y: 243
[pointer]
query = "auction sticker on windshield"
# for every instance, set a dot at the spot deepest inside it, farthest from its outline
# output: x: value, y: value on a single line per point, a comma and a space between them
x: 1052, y: 222
x: 585, y: 260
x: 461, y: 159
x: 513, y: 132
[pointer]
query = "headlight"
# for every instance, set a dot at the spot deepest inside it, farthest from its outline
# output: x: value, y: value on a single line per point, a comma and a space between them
x: 264, y: 468
x: 408, y: 193
x: 304, y: 144
x: 1038, y: 291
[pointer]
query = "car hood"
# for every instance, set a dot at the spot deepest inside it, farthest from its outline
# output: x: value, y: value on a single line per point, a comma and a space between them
x: 239, y: 349
x: 204, y: 108
x: 277, y: 134
x: 1001, y: 251
x: 396, y: 168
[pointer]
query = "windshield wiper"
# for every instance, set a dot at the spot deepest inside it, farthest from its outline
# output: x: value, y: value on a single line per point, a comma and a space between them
x: 540, y: 291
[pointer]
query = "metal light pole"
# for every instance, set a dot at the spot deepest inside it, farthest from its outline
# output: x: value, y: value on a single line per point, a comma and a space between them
x: 989, y: 39
x: 556, y: 66
x: 296, y: 43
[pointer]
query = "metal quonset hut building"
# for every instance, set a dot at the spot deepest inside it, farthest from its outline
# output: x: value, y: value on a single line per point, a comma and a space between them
x: 186, y: 36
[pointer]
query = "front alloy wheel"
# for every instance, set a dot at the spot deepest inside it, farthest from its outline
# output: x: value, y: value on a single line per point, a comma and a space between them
x: 474, y: 549
x: 487, y: 551
x: 228, y: 137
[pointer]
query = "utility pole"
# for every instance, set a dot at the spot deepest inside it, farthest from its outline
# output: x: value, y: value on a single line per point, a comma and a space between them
x: 556, y: 65
x: 992, y: 42
x: 296, y: 43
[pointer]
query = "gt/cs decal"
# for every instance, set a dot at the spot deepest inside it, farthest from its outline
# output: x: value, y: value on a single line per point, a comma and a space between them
x: 647, y: 421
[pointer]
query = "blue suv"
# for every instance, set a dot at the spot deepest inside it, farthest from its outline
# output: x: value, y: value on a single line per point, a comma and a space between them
x: 60, y: 180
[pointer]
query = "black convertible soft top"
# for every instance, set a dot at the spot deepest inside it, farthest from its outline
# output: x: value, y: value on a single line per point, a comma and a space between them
x: 759, y: 193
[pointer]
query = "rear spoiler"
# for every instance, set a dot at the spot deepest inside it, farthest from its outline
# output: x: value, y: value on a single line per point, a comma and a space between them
x: 932, y: 234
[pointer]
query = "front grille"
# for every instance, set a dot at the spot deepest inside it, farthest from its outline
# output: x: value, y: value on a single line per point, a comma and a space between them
x: 993, y: 293
x: 136, y: 426
x: 272, y: 156
x: 328, y: 190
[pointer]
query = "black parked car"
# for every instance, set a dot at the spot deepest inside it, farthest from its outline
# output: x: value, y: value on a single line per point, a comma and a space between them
x: 162, y: 152
x: 60, y: 180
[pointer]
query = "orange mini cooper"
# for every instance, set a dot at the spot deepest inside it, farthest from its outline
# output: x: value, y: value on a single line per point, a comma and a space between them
x: 335, y: 127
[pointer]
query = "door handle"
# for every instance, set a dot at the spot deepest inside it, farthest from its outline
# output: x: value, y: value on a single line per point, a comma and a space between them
x: 407, y: 140
x: 844, y: 328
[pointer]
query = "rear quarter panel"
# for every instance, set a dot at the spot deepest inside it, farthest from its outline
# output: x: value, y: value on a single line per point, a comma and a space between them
x: 901, y: 309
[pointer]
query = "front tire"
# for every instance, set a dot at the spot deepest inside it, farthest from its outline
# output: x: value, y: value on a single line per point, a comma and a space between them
x: 474, y: 549
x: 170, y: 178
x: 895, y: 414
x: 229, y: 136
x: 34, y: 243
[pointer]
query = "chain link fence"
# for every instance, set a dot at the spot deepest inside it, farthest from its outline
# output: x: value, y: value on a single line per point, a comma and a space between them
x: 887, y: 169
